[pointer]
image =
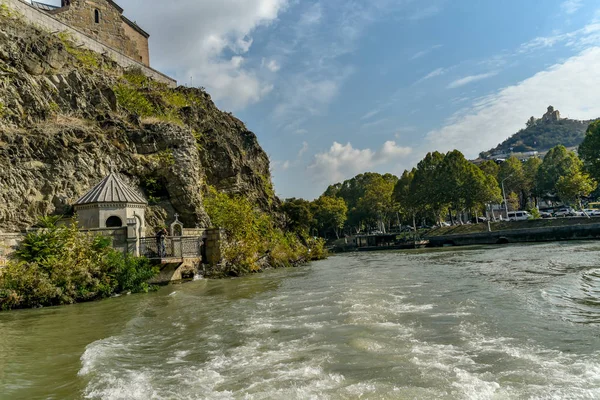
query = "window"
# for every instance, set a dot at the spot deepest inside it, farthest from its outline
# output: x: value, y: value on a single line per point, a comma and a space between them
x: 114, y: 222
x: 97, y: 16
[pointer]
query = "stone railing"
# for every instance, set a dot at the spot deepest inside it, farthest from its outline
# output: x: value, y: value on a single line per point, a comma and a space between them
x: 51, y: 24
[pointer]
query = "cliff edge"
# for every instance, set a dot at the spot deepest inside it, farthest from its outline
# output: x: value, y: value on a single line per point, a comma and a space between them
x: 69, y: 116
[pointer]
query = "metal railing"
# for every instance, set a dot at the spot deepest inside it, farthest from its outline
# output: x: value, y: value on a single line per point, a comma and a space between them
x: 171, y: 247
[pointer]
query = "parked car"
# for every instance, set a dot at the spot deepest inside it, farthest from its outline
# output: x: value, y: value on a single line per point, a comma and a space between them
x: 544, y: 214
x: 564, y: 212
x: 518, y: 216
x: 592, y: 212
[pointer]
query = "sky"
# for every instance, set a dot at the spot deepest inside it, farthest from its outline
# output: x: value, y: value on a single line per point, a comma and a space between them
x: 334, y: 88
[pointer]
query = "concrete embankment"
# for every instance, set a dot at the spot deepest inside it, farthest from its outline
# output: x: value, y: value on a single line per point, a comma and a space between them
x: 577, y: 231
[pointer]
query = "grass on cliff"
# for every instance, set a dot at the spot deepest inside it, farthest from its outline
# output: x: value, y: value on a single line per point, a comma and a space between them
x: 143, y: 96
x: 253, y: 239
x: 59, y: 265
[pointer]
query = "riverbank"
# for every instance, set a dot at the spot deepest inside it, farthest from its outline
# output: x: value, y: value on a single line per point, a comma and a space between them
x: 542, y: 230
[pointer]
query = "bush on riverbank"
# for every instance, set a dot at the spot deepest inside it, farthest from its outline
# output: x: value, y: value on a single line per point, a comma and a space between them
x: 59, y: 265
x: 253, y: 239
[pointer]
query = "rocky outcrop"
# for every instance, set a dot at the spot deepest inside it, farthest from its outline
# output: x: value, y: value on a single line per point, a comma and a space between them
x: 63, y: 127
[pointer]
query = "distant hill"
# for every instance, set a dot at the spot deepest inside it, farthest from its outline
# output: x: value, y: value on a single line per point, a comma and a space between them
x: 542, y: 135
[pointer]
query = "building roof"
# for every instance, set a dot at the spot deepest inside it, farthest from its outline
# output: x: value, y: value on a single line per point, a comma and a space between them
x: 111, y: 190
x: 135, y: 26
x: 43, y: 7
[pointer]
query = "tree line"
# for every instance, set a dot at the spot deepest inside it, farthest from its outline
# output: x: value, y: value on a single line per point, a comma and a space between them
x: 447, y: 187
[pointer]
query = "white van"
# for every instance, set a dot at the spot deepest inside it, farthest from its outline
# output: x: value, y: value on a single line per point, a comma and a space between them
x: 518, y: 215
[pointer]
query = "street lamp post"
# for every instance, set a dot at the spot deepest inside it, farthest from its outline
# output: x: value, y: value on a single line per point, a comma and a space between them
x: 504, y: 195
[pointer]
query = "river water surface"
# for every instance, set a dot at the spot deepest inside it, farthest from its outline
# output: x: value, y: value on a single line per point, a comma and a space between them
x: 515, y: 322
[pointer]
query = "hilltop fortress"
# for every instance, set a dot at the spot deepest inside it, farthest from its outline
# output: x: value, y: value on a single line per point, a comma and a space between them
x: 104, y: 21
x: 96, y: 25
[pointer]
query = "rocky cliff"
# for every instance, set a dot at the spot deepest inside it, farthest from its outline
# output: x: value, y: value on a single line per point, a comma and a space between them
x: 69, y: 116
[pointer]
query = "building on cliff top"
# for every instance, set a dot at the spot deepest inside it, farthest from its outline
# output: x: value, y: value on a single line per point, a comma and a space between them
x: 104, y: 21
x: 552, y: 115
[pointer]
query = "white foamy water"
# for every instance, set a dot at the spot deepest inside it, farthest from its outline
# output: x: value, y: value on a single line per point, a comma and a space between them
x: 517, y: 322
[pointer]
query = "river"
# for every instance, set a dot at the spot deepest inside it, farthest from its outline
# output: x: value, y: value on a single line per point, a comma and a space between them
x: 514, y: 322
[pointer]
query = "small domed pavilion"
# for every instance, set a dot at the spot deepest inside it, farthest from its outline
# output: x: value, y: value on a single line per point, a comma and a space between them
x: 112, y: 204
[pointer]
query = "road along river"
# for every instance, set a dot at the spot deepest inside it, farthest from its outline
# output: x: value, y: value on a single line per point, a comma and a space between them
x: 514, y: 322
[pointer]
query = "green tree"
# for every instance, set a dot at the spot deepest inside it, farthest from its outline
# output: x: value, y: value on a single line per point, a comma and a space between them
x: 330, y: 213
x: 427, y: 195
x: 558, y: 162
x: 530, y: 171
x: 377, y: 205
x: 589, y: 150
x: 404, y: 197
x: 480, y: 189
x: 490, y: 167
x: 572, y: 187
x: 298, y: 213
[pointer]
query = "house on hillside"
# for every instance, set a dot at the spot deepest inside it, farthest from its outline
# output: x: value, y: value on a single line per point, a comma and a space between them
x: 102, y: 20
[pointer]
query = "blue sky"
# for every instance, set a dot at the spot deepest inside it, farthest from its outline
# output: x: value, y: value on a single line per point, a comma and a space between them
x: 333, y: 88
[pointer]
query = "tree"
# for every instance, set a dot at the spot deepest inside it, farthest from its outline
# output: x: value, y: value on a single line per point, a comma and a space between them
x: 490, y: 167
x: 426, y: 192
x: 589, y: 150
x: 377, y: 204
x: 299, y: 217
x: 330, y: 214
x: 530, y: 171
x: 572, y: 187
x: 511, y: 172
x: 480, y: 189
x: 353, y: 190
x: 558, y: 162
x: 404, y: 197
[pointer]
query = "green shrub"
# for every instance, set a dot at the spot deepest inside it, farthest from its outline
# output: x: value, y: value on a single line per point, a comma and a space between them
x: 2, y: 109
x: 58, y: 265
x: 133, y: 101
x: 252, y: 236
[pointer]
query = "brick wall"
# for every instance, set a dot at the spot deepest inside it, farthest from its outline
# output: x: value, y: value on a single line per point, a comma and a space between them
x: 52, y: 24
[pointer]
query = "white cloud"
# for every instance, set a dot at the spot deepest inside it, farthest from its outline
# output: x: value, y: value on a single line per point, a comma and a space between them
x: 470, y: 79
x: 585, y: 37
x: 571, y: 6
x: 492, y: 119
x: 303, y: 150
x: 370, y: 115
x: 432, y: 74
x: 271, y: 65
x: 344, y: 161
x: 206, y: 40
x: 423, y: 53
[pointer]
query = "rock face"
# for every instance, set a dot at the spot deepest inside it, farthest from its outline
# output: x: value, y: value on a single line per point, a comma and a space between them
x: 63, y: 128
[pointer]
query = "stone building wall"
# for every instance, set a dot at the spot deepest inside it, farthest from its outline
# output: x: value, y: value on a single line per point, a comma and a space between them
x: 141, y: 43
x: 52, y: 24
x: 81, y: 14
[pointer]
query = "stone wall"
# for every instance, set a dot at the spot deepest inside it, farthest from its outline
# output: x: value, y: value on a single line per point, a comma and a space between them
x: 141, y: 43
x: 8, y: 244
x: 52, y: 24
x: 81, y: 15
x: 533, y: 235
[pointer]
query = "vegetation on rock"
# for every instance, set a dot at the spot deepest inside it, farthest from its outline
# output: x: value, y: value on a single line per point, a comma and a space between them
x: 253, y: 238
x: 57, y: 265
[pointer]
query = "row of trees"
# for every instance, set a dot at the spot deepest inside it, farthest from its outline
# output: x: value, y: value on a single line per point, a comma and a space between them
x: 448, y: 185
